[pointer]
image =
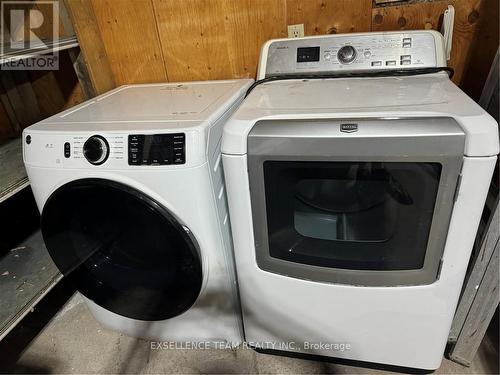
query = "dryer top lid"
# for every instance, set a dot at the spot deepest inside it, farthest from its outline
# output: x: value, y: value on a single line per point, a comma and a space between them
x: 172, y: 102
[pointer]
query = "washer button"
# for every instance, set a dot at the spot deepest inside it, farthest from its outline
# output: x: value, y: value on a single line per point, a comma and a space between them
x: 390, y: 62
x: 376, y: 63
x: 67, y: 150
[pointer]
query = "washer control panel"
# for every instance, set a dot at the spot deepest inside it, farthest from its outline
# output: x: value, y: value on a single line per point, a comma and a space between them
x: 156, y: 149
x: 114, y: 150
x: 352, y: 52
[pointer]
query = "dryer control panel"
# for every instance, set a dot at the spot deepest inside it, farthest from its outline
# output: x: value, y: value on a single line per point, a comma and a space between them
x: 352, y: 52
x: 156, y: 149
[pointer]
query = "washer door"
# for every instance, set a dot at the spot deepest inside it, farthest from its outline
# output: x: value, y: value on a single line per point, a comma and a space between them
x: 125, y: 251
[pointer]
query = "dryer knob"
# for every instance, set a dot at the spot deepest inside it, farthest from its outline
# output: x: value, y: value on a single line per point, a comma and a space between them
x: 347, y: 54
x: 96, y: 150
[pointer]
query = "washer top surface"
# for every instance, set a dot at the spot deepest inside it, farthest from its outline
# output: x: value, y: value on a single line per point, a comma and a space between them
x: 429, y: 95
x: 172, y: 105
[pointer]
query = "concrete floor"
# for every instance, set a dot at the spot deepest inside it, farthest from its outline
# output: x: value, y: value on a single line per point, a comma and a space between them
x: 73, y: 342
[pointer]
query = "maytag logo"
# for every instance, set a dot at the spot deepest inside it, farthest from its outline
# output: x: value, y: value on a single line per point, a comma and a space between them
x: 348, y: 128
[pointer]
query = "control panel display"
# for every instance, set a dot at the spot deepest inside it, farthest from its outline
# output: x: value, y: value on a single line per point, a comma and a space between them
x: 344, y: 53
x: 156, y: 149
x: 307, y: 54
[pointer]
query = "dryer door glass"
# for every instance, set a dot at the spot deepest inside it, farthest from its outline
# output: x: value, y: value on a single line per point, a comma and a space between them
x: 352, y: 215
x: 124, y: 250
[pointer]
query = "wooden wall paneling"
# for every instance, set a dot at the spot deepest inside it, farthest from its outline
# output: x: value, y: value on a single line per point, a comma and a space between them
x: 193, y: 39
x: 7, y: 131
x: 21, y: 97
x: 91, y: 45
x: 483, y: 47
x: 428, y: 15
x: 9, y: 110
x: 57, y: 90
x: 130, y: 37
x: 68, y: 83
x: 330, y: 16
x: 248, y: 25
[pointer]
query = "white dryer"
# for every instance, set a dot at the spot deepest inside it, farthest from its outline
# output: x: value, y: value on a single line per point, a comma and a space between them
x: 356, y: 174
x: 131, y: 192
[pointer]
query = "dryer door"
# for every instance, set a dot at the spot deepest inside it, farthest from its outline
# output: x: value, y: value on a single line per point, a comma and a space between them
x: 360, y: 202
x: 126, y: 252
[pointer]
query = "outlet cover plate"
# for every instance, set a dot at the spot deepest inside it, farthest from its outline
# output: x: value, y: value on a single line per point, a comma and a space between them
x: 296, y: 31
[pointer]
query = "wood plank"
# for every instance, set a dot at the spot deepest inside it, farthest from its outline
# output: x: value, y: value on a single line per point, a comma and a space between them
x: 65, y: 20
x: 131, y: 40
x: 82, y: 73
x: 484, y: 46
x: 480, y: 314
x: 388, y: 2
x: 91, y: 45
x: 27, y: 273
x: 330, y: 16
x: 57, y: 90
x: 248, y: 25
x: 20, y: 95
x: 6, y: 129
x: 9, y: 110
x: 13, y: 177
x: 480, y: 262
x: 193, y: 39
x: 428, y: 15
x: 491, y: 86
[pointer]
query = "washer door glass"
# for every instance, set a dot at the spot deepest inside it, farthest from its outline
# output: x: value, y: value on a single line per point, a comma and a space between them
x: 124, y: 250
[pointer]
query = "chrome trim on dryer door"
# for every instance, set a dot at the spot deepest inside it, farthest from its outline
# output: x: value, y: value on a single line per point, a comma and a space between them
x: 431, y: 143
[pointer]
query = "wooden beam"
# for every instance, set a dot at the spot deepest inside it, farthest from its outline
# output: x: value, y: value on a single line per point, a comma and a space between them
x: 82, y: 73
x: 91, y: 45
x: 65, y: 20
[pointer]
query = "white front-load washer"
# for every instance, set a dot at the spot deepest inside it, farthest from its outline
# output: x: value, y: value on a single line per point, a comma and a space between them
x: 356, y: 174
x: 133, y: 207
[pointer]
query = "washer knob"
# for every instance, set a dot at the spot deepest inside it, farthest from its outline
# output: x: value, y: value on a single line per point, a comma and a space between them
x: 346, y: 54
x: 96, y: 150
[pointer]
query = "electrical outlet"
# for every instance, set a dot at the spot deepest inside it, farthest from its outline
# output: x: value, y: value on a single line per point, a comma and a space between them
x: 296, y: 31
